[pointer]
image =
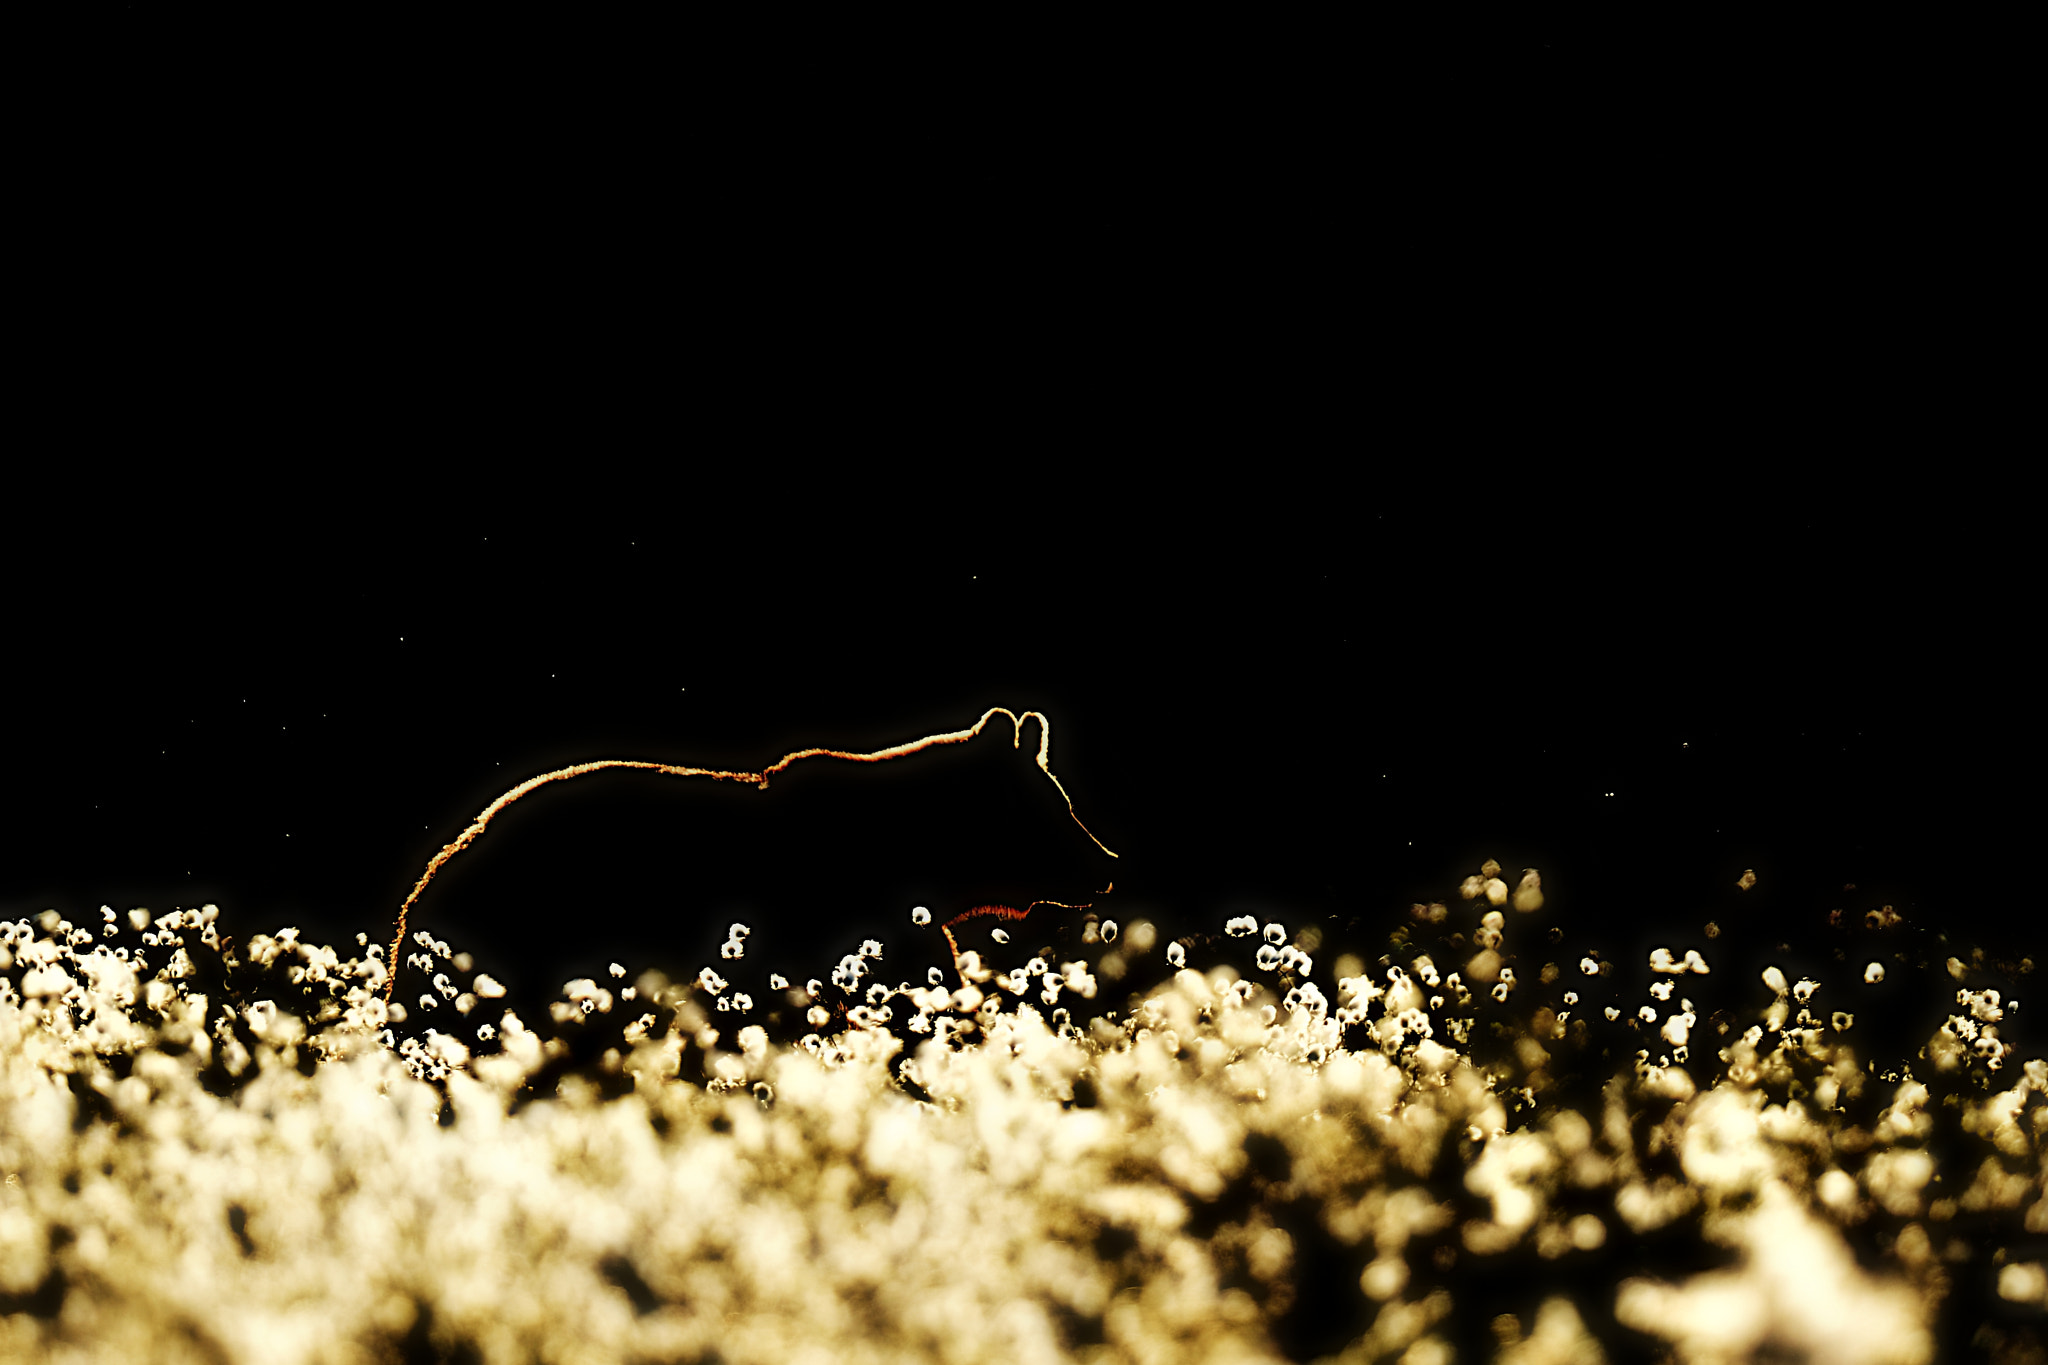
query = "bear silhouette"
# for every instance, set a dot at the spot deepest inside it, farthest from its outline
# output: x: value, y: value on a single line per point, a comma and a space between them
x: 651, y: 870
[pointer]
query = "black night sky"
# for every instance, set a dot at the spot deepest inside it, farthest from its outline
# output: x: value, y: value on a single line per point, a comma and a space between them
x: 1509, y: 453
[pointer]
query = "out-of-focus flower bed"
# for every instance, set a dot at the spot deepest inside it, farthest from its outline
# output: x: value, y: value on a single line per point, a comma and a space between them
x: 220, y: 1151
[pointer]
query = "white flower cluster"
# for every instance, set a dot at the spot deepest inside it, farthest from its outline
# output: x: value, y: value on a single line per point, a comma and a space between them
x: 1662, y: 961
x: 735, y: 945
x: 1287, y: 956
x: 846, y: 976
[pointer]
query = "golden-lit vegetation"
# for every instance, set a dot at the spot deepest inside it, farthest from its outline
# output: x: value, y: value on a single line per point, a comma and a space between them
x: 237, y: 1151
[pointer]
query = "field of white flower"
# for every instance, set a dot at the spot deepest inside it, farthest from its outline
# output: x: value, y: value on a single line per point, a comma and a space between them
x: 1135, y: 1149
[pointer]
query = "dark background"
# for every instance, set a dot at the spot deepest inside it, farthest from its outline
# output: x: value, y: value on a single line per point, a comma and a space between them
x: 1373, y: 456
